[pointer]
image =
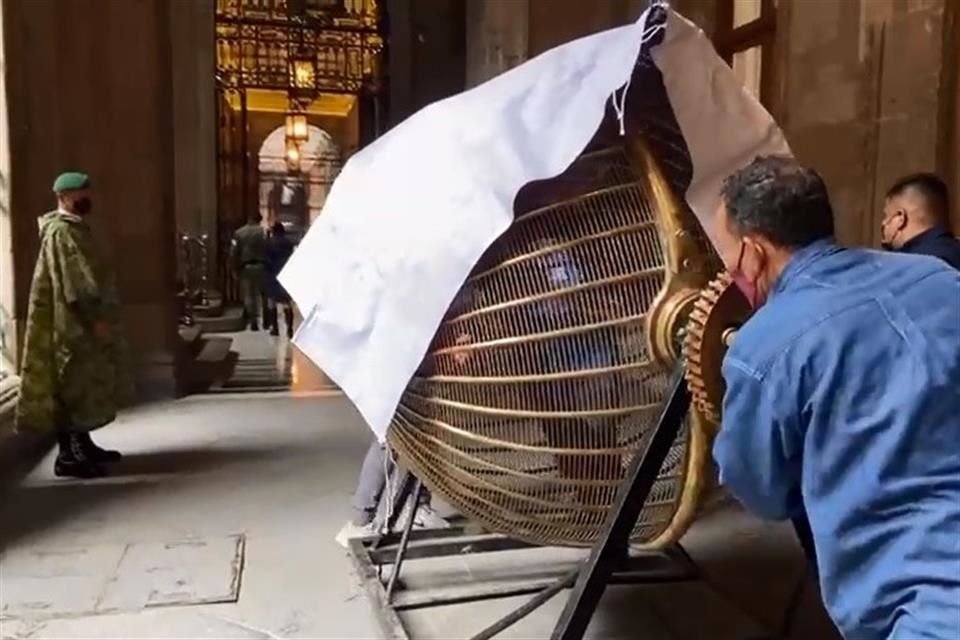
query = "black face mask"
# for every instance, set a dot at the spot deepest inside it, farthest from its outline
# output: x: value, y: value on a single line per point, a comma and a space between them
x: 82, y: 206
x: 886, y: 246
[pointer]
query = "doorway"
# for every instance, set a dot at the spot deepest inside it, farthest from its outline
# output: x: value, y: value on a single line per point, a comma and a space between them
x: 318, y: 62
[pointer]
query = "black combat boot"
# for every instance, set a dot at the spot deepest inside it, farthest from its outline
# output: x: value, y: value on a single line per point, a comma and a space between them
x: 96, y: 453
x: 72, y: 461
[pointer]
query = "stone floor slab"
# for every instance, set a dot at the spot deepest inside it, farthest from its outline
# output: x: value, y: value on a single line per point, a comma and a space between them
x: 42, y: 583
x: 185, y: 572
x: 155, y: 624
x: 47, y: 582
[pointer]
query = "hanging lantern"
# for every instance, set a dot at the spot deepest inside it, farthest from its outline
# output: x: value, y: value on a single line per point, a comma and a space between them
x: 303, y: 74
x: 295, y: 126
x: 293, y: 155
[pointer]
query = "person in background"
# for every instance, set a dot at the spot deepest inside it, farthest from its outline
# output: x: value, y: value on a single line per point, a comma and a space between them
x: 73, y: 368
x: 366, y: 499
x: 916, y: 215
x: 373, y: 472
x: 248, y: 254
x: 279, y: 250
x: 842, y: 402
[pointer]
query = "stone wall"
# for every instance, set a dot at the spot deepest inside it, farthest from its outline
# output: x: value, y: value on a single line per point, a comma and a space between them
x: 89, y: 87
x: 948, y: 156
x: 867, y: 91
x: 863, y: 86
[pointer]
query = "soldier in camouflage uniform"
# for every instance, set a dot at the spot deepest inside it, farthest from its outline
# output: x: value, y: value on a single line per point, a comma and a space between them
x: 249, y: 257
x: 73, y: 378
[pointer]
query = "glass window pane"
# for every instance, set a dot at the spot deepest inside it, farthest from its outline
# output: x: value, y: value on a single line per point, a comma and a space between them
x: 745, y: 11
x: 746, y: 66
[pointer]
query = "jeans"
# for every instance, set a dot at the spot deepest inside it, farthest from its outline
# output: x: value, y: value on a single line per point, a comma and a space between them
x: 372, y: 482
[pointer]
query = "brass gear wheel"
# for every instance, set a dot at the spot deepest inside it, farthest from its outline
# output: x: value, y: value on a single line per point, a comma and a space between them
x: 720, y: 309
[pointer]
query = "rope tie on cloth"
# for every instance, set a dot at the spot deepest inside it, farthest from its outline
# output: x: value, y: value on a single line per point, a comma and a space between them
x: 620, y: 102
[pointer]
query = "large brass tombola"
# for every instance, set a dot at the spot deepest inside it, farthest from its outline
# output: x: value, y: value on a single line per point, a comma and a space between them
x: 549, y: 369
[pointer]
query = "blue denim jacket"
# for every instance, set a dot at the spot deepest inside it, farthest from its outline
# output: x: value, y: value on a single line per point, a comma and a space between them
x: 843, y: 397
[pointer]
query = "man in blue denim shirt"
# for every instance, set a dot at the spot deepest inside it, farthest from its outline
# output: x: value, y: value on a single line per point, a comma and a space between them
x: 843, y: 398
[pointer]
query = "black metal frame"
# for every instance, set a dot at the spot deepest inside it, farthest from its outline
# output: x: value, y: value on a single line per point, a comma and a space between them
x: 343, y: 48
x: 610, y: 561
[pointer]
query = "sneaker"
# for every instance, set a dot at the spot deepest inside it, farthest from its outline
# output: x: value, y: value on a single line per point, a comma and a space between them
x: 424, y: 518
x: 351, y: 531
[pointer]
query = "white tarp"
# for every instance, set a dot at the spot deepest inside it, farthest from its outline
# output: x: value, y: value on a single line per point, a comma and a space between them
x: 724, y: 126
x: 410, y: 215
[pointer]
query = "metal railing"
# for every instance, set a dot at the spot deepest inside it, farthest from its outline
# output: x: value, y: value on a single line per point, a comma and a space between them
x: 193, y: 271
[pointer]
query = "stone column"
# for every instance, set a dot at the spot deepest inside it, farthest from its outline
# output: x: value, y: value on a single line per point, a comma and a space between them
x: 426, y: 54
x: 400, y: 61
x: 195, y: 121
x: 497, y: 32
x: 89, y: 88
x: 8, y: 308
x: 9, y: 382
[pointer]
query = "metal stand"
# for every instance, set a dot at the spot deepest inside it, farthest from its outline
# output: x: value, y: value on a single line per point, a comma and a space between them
x: 609, y: 560
x: 614, y: 543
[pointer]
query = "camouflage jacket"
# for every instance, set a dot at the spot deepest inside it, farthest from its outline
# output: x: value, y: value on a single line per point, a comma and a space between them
x: 71, y: 375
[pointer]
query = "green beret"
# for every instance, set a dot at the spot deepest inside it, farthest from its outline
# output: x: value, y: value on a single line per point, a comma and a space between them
x: 71, y: 181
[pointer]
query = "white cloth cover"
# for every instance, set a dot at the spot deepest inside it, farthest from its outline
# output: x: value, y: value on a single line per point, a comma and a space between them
x: 411, y: 214
x: 724, y: 126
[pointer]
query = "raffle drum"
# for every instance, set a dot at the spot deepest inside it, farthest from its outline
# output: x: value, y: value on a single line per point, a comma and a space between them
x: 549, y: 370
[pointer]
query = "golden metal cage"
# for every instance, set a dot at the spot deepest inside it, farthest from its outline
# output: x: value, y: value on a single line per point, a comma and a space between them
x: 549, y: 369
x: 547, y: 375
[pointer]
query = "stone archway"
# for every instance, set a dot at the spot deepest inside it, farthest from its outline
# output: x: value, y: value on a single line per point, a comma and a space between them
x: 296, y: 196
